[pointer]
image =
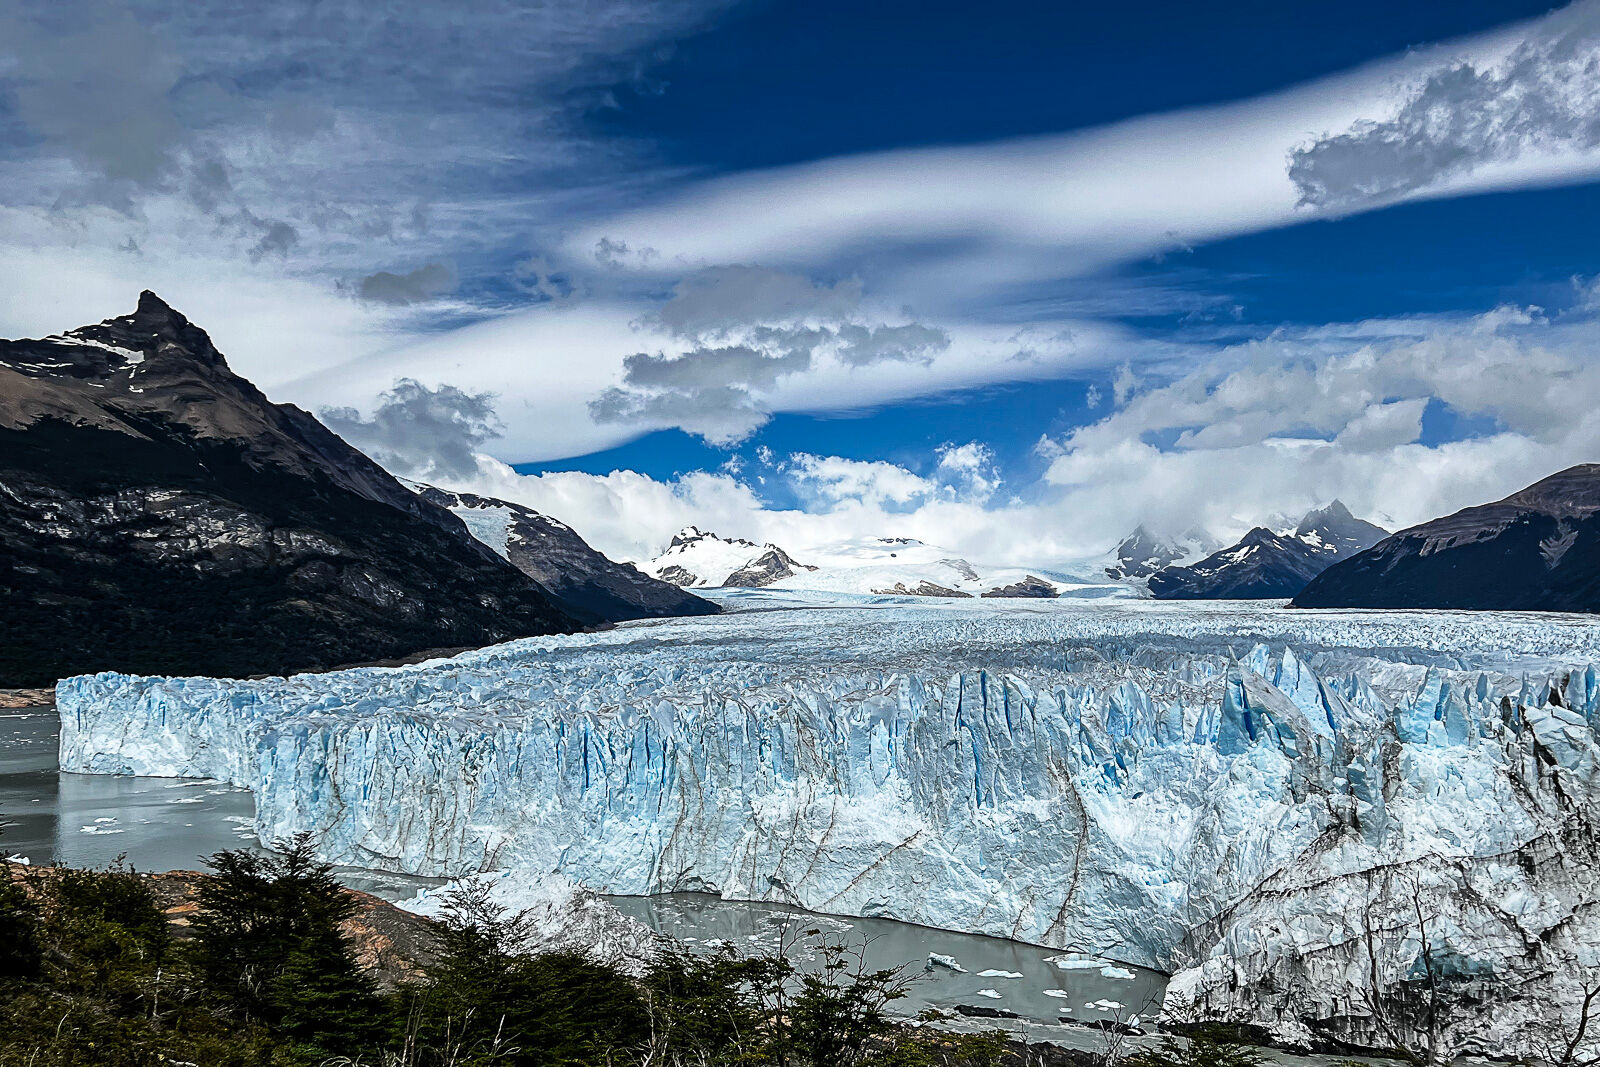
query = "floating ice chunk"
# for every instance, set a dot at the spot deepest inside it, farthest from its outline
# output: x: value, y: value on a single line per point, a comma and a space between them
x: 1111, y: 971
x: 991, y: 973
x: 1059, y: 994
x: 1106, y: 1005
x: 939, y: 959
x: 992, y: 994
x: 1076, y: 963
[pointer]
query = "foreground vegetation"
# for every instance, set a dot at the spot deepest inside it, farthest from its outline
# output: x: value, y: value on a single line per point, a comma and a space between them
x: 92, y: 974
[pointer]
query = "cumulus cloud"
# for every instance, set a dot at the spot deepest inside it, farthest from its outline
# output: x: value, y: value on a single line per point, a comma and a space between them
x: 1543, y: 97
x: 971, y: 469
x: 861, y: 346
x: 731, y: 365
x: 707, y: 391
x: 1273, y: 427
x: 421, y: 432
x: 425, y: 283
x: 831, y: 480
x: 722, y: 414
x: 1293, y: 421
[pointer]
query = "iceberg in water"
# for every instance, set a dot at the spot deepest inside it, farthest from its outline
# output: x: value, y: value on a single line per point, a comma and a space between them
x: 1233, y: 793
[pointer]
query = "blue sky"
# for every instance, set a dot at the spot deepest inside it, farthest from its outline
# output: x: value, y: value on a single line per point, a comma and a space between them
x: 1011, y: 279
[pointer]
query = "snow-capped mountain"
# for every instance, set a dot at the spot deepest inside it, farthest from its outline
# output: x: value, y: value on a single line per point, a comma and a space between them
x: 699, y: 558
x: 904, y: 566
x: 875, y: 566
x: 1536, y: 550
x: 588, y: 585
x: 159, y: 514
x: 1142, y: 552
x: 1266, y: 564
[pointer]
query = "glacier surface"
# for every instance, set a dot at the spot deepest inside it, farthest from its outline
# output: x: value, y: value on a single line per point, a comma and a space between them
x: 1296, y: 813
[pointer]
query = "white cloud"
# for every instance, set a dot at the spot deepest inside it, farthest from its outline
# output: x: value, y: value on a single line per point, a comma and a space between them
x: 832, y: 480
x: 1541, y: 100
x: 974, y: 221
x: 970, y: 469
x: 1284, y: 424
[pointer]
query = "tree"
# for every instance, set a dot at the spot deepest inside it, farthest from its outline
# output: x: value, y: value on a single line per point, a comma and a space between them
x: 19, y: 932
x: 268, y: 940
x: 1578, y: 1044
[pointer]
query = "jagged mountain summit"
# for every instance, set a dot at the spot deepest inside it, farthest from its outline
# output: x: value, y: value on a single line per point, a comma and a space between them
x: 1143, y: 553
x: 159, y: 515
x: 586, y: 583
x: 1536, y: 550
x: 696, y: 557
x: 1265, y: 564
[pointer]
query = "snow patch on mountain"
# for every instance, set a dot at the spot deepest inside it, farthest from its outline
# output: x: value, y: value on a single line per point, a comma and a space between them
x: 1143, y: 553
x: 1270, y: 564
x: 699, y: 558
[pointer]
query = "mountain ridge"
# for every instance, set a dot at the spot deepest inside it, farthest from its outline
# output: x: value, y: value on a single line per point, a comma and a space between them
x: 1265, y: 564
x: 1537, y: 549
x: 588, y: 584
x: 161, y: 515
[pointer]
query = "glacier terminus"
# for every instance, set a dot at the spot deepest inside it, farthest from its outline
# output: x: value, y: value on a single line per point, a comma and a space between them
x: 1304, y: 817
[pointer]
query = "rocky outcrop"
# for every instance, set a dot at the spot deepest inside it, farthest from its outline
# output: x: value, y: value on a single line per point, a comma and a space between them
x: 1143, y: 553
x: 923, y: 588
x: 770, y: 566
x: 1536, y: 550
x: 159, y: 514
x: 587, y: 584
x: 697, y: 557
x: 1030, y: 586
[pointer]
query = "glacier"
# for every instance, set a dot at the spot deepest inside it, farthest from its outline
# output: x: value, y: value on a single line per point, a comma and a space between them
x: 1297, y: 814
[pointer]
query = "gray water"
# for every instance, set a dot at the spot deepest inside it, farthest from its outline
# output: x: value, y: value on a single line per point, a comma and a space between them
x: 1080, y: 992
x: 89, y: 820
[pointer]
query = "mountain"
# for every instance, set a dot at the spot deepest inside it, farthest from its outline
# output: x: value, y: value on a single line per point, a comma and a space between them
x: 159, y: 515
x: 905, y: 566
x: 587, y: 584
x: 1143, y: 553
x: 1536, y: 550
x: 696, y: 557
x: 1265, y: 564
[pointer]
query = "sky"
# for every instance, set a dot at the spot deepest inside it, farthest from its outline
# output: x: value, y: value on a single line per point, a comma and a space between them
x: 1011, y: 281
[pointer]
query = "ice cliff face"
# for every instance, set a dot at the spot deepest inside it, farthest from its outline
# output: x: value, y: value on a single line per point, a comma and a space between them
x: 1262, y: 801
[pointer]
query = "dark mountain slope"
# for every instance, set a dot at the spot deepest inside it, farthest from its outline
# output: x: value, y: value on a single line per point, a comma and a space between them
x: 587, y: 584
x: 1536, y: 550
x: 159, y: 515
x: 1267, y: 565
